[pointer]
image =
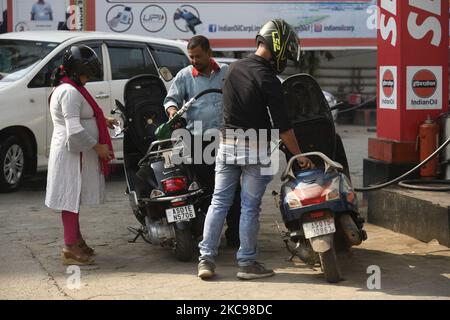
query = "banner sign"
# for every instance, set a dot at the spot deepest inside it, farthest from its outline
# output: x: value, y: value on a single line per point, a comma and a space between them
x: 48, y: 15
x: 234, y: 24
x: 229, y: 24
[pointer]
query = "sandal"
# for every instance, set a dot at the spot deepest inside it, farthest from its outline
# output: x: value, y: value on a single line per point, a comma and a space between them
x: 75, y: 256
x: 86, y: 249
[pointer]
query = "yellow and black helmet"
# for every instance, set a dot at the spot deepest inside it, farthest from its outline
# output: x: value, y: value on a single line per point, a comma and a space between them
x: 282, y: 41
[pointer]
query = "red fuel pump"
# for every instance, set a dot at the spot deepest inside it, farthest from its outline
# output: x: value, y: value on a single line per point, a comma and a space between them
x: 428, y: 143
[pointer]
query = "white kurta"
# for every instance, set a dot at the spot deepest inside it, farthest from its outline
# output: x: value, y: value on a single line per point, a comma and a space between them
x: 70, y: 182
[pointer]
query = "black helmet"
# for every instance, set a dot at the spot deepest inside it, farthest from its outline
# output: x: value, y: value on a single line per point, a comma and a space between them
x: 81, y: 60
x: 281, y: 40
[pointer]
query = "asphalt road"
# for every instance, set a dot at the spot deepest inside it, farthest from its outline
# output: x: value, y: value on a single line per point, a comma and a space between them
x: 31, y: 241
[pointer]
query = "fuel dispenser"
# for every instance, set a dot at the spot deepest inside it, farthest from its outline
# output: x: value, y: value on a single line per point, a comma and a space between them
x: 428, y: 143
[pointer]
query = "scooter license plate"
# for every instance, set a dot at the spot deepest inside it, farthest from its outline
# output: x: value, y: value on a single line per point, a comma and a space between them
x: 180, y: 213
x: 319, y: 228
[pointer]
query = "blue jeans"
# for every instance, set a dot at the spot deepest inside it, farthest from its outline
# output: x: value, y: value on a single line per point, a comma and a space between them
x: 253, y: 186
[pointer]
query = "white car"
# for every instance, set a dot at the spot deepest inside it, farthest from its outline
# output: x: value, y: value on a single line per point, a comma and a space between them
x: 331, y: 99
x: 27, y: 60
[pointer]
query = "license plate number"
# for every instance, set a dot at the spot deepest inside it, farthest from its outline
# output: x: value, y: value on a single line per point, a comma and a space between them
x: 180, y: 213
x: 319, y: 228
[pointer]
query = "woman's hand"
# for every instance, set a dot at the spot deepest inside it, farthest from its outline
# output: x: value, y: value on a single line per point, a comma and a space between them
x: 103, y: 151
x: 111, y: 122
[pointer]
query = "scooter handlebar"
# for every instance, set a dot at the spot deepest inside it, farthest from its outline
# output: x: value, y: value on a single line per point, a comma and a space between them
x: 328, y: 163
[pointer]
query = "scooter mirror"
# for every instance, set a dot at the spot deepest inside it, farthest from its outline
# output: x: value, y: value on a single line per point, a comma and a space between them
x: 166, y: 74
x: 119, y: 106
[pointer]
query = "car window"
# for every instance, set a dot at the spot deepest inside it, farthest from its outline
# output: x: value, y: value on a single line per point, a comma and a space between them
x: 129, y: 61
x: 98, y: 50
x: 18, y: 57
x: 42, y: 79
x: 171, y: 57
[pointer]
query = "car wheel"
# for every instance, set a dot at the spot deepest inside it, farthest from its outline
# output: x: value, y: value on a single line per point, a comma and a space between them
x: 12, y: 164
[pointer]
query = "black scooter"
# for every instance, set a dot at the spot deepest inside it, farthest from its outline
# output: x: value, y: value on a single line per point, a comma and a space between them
x: 165, y: 196
x: 318, y: 206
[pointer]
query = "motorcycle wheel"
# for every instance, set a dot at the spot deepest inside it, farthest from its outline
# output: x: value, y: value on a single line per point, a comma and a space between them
x: 330, y: 266
x: 183, y: 244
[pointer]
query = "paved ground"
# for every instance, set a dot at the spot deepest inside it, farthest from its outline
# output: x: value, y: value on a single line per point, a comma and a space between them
x: 31, y: 240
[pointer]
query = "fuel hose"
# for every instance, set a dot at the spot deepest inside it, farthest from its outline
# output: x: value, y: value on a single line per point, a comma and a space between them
x: 426, y: 185
x: 415, y: 184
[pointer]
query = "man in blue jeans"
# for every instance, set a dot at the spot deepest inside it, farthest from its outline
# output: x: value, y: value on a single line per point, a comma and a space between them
x: 253, y: 100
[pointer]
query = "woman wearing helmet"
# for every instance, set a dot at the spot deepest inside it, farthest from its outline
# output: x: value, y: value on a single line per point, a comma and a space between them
x: 250, y: 90
x: 80, y: 148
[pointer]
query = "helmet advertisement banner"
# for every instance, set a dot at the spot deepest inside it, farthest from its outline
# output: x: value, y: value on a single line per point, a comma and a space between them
x: 234, y: 24
x: 229, y: 24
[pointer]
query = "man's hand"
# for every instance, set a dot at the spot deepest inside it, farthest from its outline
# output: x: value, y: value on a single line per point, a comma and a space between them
x: 305, y: 163
x: 171, y: 112
x: 111, y: 122
x: 290, y: 141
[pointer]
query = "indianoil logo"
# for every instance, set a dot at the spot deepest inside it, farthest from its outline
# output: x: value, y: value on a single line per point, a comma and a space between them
x: 424, y: 83
x: 388, y: 83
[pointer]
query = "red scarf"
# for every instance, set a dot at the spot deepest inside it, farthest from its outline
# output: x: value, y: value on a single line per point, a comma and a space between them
x: 103, y: 133
x: 214, y: 66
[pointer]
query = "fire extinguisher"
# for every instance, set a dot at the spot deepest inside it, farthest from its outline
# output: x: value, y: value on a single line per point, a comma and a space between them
x: 428, y: 143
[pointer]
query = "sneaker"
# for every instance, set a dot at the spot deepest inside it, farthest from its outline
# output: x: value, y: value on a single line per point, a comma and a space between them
x: 254, y: 271
x: 206, y: 269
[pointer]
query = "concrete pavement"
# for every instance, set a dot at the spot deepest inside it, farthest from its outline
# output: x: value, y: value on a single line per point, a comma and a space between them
x: 31, y: 240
